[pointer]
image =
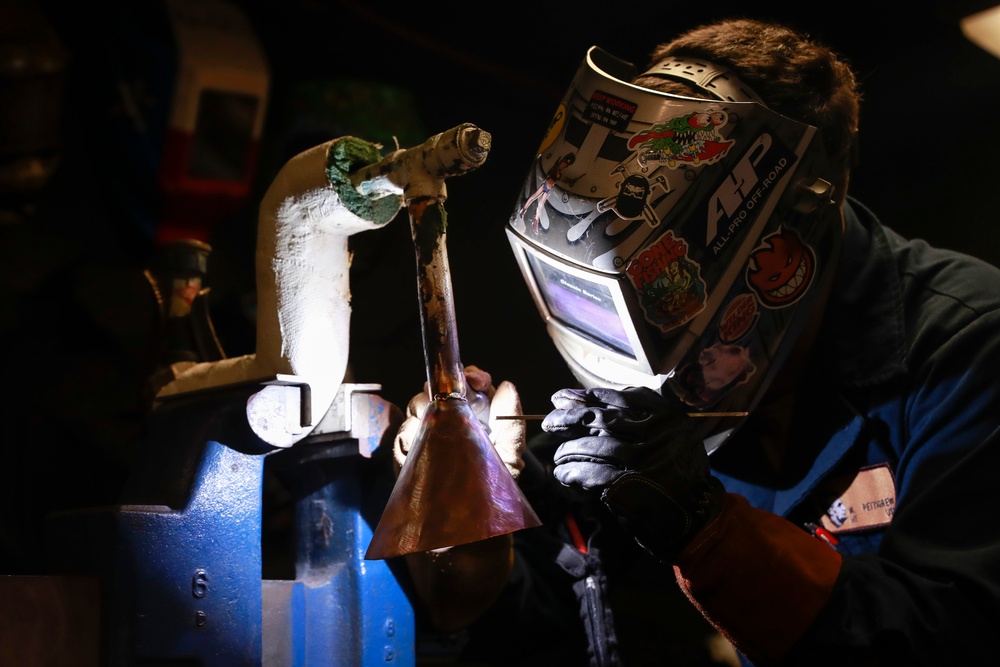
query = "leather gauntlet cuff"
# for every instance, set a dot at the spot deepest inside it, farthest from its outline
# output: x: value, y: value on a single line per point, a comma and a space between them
x: 758, y: 578
x: 661, y: 520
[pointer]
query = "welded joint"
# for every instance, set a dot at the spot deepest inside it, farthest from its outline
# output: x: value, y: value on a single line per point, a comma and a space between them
x: 421, y: 171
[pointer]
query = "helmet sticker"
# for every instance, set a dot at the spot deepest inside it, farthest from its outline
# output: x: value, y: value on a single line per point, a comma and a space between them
x: 719, y: 369
x: 781, y: 268
x: 739, y: 317
x: 631, y: 202
x: 692, y: 138
x: 609, y: 110
x: 555, y: 127
x: 667, y: 282
x: 744, y: 188
x: 540, y: 195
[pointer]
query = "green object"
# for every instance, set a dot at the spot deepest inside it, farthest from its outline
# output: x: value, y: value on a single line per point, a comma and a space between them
x: 349, y: 154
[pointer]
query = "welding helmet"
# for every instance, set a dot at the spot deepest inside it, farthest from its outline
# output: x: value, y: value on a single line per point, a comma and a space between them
x: 675, y: 242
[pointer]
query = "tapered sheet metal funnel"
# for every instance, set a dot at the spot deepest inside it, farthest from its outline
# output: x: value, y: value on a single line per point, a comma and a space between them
x: 454, y: 488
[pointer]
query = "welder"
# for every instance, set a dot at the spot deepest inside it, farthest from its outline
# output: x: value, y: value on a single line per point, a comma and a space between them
x: 787, y: 414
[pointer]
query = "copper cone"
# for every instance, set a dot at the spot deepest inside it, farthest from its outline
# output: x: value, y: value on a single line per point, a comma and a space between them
x: 453, y: 489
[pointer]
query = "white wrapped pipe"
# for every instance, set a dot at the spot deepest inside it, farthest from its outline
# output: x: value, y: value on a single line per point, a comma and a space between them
x: 303, y: 288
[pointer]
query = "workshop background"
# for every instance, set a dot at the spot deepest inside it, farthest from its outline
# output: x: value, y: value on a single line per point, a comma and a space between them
x: 84, y: 210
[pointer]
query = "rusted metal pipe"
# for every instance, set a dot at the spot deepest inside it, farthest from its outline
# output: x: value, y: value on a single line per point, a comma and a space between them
x: 445, y: 372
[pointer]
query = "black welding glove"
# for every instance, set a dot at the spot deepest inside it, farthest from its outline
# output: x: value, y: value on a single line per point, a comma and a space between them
x: 637, y: 450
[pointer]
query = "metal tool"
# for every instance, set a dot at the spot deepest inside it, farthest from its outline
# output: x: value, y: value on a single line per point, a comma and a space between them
x: 178, y: 562
x: 454, y: 488
x: 689, y: 414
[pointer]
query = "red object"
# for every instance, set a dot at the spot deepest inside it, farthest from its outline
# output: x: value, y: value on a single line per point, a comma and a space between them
x: 192, y: 204
x: 574, y: 532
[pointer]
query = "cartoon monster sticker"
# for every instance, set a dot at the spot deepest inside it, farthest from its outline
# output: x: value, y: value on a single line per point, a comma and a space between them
x: 667, y: 282
x: 781, y: 269
x: 692, y: 138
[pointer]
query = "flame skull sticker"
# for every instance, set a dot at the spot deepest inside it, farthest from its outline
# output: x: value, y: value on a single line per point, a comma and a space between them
x: 781, y: 269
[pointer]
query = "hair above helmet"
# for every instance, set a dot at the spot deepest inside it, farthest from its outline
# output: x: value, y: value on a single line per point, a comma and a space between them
x: 674, y: 242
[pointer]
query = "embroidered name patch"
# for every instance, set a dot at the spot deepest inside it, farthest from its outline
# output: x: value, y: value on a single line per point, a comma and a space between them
x: 869, y: 502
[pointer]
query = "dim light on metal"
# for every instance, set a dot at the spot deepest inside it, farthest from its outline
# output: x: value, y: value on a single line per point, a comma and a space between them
x: 983, y: 29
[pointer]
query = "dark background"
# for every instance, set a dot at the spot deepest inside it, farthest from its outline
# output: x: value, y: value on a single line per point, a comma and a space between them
x: 77, y: 319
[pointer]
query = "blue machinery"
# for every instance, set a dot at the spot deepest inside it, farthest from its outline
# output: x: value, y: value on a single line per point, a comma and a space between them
x: 183, y: 574
x: 172, y: 576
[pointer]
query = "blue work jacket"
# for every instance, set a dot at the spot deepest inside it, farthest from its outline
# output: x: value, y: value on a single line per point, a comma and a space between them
x: 904, y: 383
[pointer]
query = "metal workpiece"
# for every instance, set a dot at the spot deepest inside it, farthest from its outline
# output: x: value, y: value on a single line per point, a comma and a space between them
x: 303, y: 289
x: 318, y: 200
x: 453, y: 487
x: 435, y: 293
x: 421, y: 171
x: 180, y: 561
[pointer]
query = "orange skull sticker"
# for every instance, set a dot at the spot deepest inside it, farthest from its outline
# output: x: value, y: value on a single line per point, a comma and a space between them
x: 781, y: 269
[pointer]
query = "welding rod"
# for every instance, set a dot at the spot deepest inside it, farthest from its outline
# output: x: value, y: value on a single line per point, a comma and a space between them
x: 690, y: 414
